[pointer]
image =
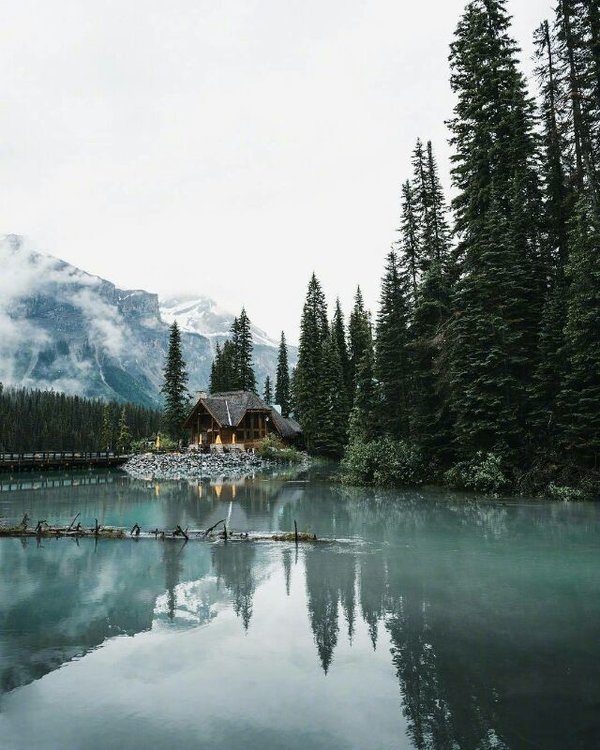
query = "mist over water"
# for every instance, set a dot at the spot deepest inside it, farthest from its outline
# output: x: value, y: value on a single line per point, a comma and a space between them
x: 435, y: 620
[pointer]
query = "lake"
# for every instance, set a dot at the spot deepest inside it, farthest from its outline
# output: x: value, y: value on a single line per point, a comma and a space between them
x: 434, y: 620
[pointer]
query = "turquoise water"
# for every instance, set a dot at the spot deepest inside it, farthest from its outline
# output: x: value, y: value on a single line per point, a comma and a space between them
x: 435, y: 620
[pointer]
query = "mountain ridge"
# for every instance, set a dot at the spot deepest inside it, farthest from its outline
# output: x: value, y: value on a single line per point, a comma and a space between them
x: 64, y: 328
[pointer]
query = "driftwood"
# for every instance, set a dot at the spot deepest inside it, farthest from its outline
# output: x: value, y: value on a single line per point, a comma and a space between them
x: 212, y: 528
x: 180, y: 532
x: 73, y: 521
x: 45, y: 530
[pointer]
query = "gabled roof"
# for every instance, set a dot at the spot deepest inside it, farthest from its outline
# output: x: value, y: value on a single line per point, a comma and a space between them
x: 228, y: 410
x: 285, y: 426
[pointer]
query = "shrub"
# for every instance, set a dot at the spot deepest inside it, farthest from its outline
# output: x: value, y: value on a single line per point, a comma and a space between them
x: 272, y: 449
x: 383, y: 462
x: 563, y: 492
x: 482, y: 473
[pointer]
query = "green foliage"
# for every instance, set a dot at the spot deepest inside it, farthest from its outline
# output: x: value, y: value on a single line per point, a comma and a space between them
x: 308, y: 375
x: 486, y: 350
x: 242, y: 343
x: 359, y: 336
x: 383, y: 462
x: 332, y: 401
x: 481, y: 473
x: 124, y: 433
x: 174, y: 386
x: 108, y: 432
x: 497, y: 301
x: 271, y: 448
x: 392, y: 364
x: 35, y: 420
x: 232, y: 369
x: 579, y: 400
x: 282, y: 380
x: 564, y: 493
x: 268, y: 391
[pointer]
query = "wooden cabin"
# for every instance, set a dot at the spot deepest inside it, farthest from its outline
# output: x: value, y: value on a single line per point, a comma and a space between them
x: 237, y: 419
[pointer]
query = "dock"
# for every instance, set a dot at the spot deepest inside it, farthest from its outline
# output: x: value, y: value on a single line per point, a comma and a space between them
x: 59, y: 460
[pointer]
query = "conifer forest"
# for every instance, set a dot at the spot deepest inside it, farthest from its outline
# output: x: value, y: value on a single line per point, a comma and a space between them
x: 36, y: 420
x: 481, y: 366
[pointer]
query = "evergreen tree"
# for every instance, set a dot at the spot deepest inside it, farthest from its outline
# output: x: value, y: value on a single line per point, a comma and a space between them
x: 430, y: 418
x: 487, y: 390
x: 331, y: 435
x: 576, y: 30
x: 580, y: 395
x: 107, y: 432
x: 242, y: 341
x: 338, y: 330
x: 282, y: 381
x: 392, y: 365
x: 124, y: 433
x: 435, y: 232
x: 268, y: 391
x: 225, y: 376
x: 428, y: 410
x: 216, y: 371
x: 558, y: 197
x: 232, y: 368
x: 34, y: 420
x: 174, y: 386
x: 359, y: 336
x: 410, y: 255
x: 497, y: 301
x: 363, y: 424
x: 307, y: 381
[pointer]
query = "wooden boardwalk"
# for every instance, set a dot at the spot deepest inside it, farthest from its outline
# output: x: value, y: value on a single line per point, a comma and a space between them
x: 59, y: 460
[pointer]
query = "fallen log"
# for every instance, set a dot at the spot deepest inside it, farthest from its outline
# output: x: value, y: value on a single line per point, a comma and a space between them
x: 44, y: 530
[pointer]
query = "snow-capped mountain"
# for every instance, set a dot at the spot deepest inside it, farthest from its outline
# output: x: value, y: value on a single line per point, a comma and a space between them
x: 65, y: 329
x: 203, y: 316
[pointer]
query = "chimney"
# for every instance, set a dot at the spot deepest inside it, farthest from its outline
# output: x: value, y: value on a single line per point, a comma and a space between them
x: 200, y: 394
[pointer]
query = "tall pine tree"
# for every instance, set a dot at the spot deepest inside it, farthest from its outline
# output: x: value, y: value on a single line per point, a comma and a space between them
x: 307, y: 381
x: 174, y: 386
x: 282, y: 380
x: 579, y: 399
x: 392, y: 365
x: 359, y: 336
x: 498, y: 298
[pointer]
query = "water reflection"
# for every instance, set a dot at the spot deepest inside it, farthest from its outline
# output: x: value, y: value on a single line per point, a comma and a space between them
x: 490, y: 610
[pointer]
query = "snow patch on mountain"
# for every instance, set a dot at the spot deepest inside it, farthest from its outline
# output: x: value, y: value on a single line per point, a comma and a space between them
x: 205, y: 317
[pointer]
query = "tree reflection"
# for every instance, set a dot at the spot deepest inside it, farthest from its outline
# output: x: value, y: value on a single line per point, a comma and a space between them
x: 372, y: 591
x: 233, y: 564
x: 171, y: 556
x: 322, y: 584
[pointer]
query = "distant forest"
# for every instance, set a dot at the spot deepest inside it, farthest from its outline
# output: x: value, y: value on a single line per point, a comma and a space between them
x: 48, y: 421
x: 482, y: 366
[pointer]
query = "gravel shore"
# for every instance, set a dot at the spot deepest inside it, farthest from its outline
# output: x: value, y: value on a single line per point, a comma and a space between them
x: 194, y: 465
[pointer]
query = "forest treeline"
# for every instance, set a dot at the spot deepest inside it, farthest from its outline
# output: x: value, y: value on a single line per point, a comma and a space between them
x: 482, y: 365
x: 35, y: 420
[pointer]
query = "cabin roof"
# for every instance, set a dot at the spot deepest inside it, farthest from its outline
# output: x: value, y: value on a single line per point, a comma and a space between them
x: 229, y: 408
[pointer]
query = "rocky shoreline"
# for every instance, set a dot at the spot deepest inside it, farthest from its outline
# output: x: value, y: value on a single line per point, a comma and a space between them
x: 193, y: 465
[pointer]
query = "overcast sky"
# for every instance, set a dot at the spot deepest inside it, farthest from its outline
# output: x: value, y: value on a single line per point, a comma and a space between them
x: 223, y: 148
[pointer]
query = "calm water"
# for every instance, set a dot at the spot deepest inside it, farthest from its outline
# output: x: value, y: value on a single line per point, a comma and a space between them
x: 435, y: 621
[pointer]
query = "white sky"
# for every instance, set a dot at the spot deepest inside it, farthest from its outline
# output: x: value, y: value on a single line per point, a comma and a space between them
x: 223, y: 148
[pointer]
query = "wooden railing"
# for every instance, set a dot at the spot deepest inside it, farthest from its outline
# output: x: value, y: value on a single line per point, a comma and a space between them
x: 50, y: 459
